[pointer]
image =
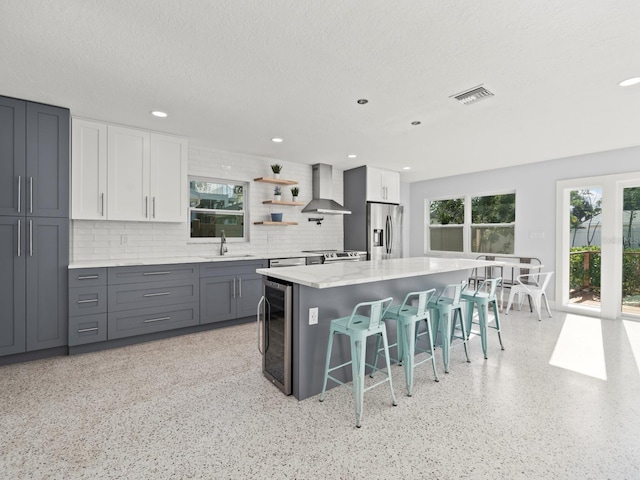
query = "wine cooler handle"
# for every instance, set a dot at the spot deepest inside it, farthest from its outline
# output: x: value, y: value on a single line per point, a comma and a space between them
x: 258, y: 317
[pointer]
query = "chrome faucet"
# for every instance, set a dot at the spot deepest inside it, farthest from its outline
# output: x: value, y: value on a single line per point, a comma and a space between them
x: 223, y: 240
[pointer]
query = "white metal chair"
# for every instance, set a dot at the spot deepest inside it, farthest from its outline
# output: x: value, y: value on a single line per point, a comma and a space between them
x: 534, y: 286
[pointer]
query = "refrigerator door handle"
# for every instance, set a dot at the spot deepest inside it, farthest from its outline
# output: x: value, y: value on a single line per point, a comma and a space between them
x: 388, y: 234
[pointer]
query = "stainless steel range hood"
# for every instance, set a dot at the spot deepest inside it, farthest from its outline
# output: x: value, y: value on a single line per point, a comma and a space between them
x: 322, y: 190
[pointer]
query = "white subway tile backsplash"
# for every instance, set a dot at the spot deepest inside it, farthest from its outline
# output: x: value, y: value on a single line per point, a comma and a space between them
x: 102, y: 240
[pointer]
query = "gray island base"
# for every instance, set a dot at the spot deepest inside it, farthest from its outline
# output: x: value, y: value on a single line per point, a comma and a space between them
x: 335, y: 289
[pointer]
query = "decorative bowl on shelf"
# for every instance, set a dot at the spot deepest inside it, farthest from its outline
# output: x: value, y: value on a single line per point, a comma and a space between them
x: 276, y: 217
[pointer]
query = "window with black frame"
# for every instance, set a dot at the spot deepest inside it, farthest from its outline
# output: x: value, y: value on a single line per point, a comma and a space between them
x: 217, y: 205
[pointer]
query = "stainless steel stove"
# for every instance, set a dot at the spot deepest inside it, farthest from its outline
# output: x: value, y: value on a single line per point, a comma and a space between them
x: 333, y: 256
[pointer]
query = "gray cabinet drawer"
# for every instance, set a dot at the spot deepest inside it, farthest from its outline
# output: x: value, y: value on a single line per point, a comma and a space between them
x: 87, y: 300
x: 126, y: 297
x: 230, y: 268
x: 149, y: 320
x: 87, y: 329
x: 153, y: 273
x: 85, y: 277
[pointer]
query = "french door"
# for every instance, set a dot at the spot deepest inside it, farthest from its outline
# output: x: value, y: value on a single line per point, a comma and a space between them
x: 630, y: 235
x: 598, y: 246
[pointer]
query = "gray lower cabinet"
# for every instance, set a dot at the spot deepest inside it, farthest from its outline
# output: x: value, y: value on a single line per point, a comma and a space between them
x: 34, y: 255
x: 87, y: 329
x: 118, y: 302
x: 13, y: 274
x: 87, y: 306
x: 47, y: 255
x: 151, y: 299
x: 153, y: 319
x: 229, y: 290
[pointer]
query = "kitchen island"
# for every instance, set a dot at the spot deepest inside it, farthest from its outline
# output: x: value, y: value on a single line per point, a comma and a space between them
x: 336, y: 288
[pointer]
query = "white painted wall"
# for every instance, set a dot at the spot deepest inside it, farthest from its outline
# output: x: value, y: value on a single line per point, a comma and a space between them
x: 102, y: 240
x: 405, y: 201
x: 535, y: 186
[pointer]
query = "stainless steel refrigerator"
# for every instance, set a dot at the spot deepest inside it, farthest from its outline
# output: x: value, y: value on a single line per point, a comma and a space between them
x: 384, y: 231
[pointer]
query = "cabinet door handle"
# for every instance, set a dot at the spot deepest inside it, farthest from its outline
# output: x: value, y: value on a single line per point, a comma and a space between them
x: 156, y: 273
x: 146, y: 207
x: 160, y: 319
x: 157, y: 294
x: 31, y: 238
x: 234, y: 288
x: 87, y: 277
x: 19, y: 192
x: 19, y: 239
x: 84, y: 330
x: 30, y: 194
x: 154, y: 207
x: 102, y: 204
x: 93, y: 300
x: 239, y: 287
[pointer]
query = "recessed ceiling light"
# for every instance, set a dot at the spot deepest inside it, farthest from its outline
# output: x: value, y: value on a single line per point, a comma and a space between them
x: 629, y: 81
x: 352, y: 155
x: 416, y: 123
x: 363, y: 101
x: 277, y: 140
x: 158, y: 113
x: 406, y: 168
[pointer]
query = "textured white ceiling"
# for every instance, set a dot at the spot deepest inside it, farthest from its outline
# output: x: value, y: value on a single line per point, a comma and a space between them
x: 232, y: 74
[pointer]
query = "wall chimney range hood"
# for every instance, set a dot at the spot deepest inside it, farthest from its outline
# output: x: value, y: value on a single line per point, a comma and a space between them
x: 322, y: 189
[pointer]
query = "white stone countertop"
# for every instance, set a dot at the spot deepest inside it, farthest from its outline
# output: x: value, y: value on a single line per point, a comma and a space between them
x: 340, y: 274
x: 229, y: 257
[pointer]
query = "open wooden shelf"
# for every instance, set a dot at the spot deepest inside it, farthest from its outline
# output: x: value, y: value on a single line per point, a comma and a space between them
x: 277, y: 181
x: 275, y: 223
x: 282, y: 202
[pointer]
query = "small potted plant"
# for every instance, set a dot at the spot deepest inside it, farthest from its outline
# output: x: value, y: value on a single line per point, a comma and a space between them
x: 276, y: 168
x: 277, y: 193
x: 294, y: 193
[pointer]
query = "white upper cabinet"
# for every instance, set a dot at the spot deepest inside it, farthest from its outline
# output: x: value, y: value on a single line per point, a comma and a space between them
x: 88, y: 170
x: 121, y: 173
x: 168, y: 183
x: 383, y: 185
x: 128, y: 174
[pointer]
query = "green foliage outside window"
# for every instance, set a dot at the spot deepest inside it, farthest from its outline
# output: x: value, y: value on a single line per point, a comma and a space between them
x: 492, y: 218
x: 491, y: 226
x: 590, y: 277
x: 445, y: 212
x: 494, y: 209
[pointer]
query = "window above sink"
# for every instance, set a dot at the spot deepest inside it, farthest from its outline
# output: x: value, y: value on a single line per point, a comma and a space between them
x: 216, y: 206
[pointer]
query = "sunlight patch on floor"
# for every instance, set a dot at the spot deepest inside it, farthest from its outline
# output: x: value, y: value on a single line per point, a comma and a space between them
x: 579, y: 347
x: 633, y: 332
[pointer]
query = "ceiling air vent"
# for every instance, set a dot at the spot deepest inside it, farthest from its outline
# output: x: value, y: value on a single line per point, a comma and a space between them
x: 474, y: 95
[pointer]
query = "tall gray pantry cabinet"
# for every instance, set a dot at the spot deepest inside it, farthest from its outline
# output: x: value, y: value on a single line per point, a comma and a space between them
x: 34, y: 226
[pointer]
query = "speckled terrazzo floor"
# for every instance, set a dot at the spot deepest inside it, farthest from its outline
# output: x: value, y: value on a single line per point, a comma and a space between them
x: 198, y: 406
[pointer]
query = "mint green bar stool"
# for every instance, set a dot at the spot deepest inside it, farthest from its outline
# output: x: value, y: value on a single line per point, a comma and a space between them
x: 484, y: 296
x: 448, y: 312
x: 406, y: 317
x: 358, y: 328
